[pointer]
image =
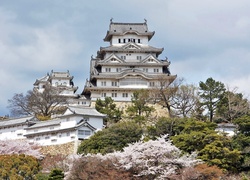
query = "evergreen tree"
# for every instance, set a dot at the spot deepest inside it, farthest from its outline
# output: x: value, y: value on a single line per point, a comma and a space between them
x: 139, y: 105
x: 108, y: 107
x: 56, y: 174
x: 211, y: 92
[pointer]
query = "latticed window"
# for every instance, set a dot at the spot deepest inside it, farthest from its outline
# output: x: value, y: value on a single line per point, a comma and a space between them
x: 156, y: 70
x: 103, y: 83
x: 84, y: 132
x: 152, y: 84
x: 133, y: 82
x: 124, y: 94
x: 114, y: 83
x: 108, y: 69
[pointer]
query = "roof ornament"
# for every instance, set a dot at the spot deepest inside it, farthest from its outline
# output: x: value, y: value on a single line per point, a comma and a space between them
x: 111, y: 20
x: 145, y: 20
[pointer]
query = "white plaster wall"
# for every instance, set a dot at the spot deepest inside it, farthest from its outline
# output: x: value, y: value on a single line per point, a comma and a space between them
x: 60, y: 82
x: 16, y: 132
x: 143, y: 39
x: 54, y: 139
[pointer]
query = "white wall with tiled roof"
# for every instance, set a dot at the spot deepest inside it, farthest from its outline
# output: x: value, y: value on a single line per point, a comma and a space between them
x: 76, y: 123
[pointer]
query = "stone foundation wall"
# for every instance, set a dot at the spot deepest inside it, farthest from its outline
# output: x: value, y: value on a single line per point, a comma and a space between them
x: 63, y: 149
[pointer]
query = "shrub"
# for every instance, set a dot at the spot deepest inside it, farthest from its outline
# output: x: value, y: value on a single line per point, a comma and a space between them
x: 18, y: 166
x: 113, y: 138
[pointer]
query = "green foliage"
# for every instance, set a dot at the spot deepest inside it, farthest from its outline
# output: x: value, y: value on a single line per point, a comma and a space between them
x: 192, y: 135
x: 56, y: 174
x: 211, y: 92
x: 139, y: 105
x: 42, y: 176
x: 113, y: 138
x: 243, y: 125
x: 189, y: 142
x: 219, y: 152
x: 241, y: 140
x: 108, y: 107
x: 170, y: 126
x: 18, y: 167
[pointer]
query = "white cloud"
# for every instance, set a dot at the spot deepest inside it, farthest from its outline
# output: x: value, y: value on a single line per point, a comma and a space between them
x: 201, y: 38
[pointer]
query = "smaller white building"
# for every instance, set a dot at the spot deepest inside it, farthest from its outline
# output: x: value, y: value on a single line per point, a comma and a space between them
x: 62, y: 81
x: 77, y: 123
x: 227, y: 128
x: 12, y: 129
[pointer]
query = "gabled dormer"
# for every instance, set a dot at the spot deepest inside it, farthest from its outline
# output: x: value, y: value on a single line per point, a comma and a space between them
x: 113, y: 59
x: 131, y: 46
x: 150, y: 59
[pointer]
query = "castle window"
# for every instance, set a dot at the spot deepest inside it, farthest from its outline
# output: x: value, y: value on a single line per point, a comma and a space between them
x: 118, y: 69
x: 138, y: 57
x: 133, y: 82
x: 108, y: 69
x: 103, y: 83
x: 103, y: 94
x: 119, y: 40
x: 123, y: 57
x: 145, y: 69
x: 114, y: 83
x: 124, y: 40
x: 139, y: 41
x: 47, y: 137
x: 156, y: 70
x: 124, y: 94
x: 152, y: 84
x: 114, y: 94
x: 84, y: 132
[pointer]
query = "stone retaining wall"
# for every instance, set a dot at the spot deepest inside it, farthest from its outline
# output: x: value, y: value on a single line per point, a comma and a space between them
x: 63, y: 149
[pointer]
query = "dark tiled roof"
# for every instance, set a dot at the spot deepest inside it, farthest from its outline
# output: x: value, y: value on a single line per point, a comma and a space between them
x: 133, y: 73
x: 143, y: 48
x: 122, y: 28
x: 87, y: 111
x: 17, y: 121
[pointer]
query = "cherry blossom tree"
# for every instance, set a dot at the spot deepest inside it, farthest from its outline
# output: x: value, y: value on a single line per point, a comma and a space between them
x: 20, y: 147
x: 154, y: 159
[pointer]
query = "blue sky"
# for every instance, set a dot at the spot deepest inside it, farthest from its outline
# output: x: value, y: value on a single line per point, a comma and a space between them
x: 202, y: 39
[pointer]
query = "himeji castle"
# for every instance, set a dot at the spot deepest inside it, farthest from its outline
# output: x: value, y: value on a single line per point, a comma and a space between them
x: 129, y: 63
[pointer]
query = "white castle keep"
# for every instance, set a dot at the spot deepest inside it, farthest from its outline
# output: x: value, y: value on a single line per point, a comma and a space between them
x: 129, y: 63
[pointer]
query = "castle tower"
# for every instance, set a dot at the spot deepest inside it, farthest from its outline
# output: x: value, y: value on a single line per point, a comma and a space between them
x: 61, y: 80
x: 129, y: 63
